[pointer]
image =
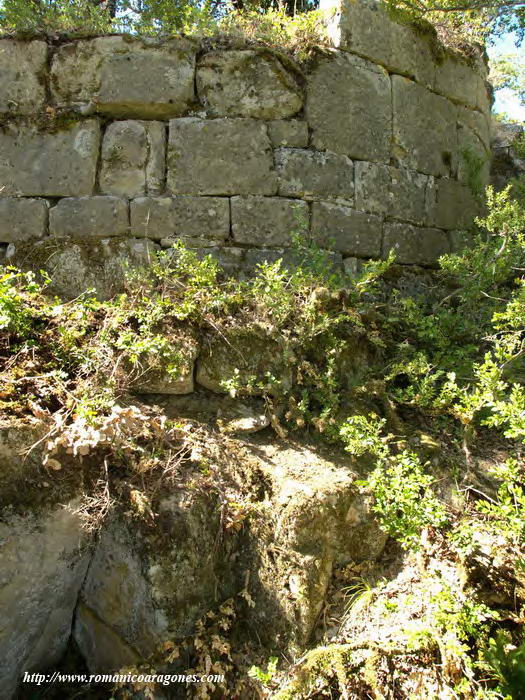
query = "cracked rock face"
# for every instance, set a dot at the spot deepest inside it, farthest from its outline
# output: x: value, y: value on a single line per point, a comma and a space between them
x: 43, y: 561
x: 144, y: 583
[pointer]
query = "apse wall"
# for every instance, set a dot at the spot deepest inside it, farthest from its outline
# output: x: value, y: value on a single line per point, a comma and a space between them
x: 380, y: 142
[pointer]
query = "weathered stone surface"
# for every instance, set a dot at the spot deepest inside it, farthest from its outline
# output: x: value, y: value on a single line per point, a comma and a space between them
x: 459, y: 81
x: 84, y: 263
x: 459, y: 240
x: 102, y: 648
x: 43, y: 561
x: 349, y: 108
x: 245, y: 356
x: 424, y: 137
x: 373, y: 187
x: 242, y: 417
x: 352, y: 266
x: 184, y: 217
x: 147, y: 587
x: 453, y: 205
x: 22, y: 76
x: 155, y: 379
x: 315, y: 523
x: 288, y: 132
x: 505, y: 135
x: 116, y: 592
x: 22, y: 219
x: 477, y: 122
x: 339, y: 227
x: 310, y: 175
x: 250, y: 83
x: 133, y: 158
x: 268, y: 221
x: 507, y: 162
x: 125, y: 77
x: 89, y: 216
x: 365, y: 28
x: 394, y: 192
x: 230, y: 259
x: 412, y: 245
x: 221, y: 156
x: 473, y: 148
x: 49, y: 164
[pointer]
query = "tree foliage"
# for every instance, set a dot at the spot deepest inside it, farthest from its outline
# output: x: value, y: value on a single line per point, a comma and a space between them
x: 508, y: 71
x: 457, y: 21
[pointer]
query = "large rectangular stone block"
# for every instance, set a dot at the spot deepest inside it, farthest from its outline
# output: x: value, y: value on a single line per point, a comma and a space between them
x: 349, y: 108
x: 23, y: 66
x: 268, y: 221
x: 341, y: 228
x: 249, y: 83
x: 89, y: 216
x: 126, y: 77
x: 413, y: 245
x: 425, y: 137
x: 452, y: 205
x: 313, y: 174
x: 49, y: 164
x: 22, y: 219
x: 220, y: 157
x: 205, y: 218
x: 393, y: 192
x: 459, y: 80
x: 133, y: 158
x: 288, y: 132
x: 365, y: 28
x: 474, y: 155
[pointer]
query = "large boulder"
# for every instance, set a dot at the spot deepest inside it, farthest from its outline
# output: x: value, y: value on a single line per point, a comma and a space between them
x: 44, y: 554
x: 508, y: 159
x: 147, y: 585
x: 270, y: 533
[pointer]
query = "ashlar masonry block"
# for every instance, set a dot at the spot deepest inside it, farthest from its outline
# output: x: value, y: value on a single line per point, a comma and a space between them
x: 220, y: 157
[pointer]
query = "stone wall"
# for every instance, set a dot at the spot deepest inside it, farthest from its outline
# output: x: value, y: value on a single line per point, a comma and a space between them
x: 369, y: 147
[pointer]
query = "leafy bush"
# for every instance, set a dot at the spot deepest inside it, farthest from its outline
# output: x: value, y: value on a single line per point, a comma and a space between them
x: 402, y: 496
x: 295, y: 32
x: 54, y: 16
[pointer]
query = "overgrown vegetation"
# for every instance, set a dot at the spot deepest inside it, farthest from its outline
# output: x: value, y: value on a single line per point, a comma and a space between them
x: 387, y: 375
x: 273, y: 24
x: 280, y: 23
